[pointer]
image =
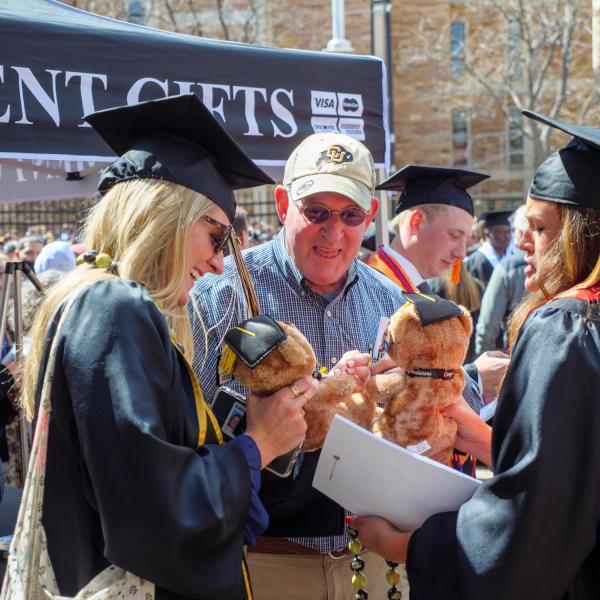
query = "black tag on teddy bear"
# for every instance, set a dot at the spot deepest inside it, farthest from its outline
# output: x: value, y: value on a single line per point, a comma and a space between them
x: 432, y: 309
x: 254, y: 339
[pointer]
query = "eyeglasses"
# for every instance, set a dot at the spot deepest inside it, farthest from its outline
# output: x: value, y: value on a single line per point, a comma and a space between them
x: 352, y: 216
x: 219, y: 242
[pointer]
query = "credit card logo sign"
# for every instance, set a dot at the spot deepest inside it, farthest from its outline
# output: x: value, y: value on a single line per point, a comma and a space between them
x: 350, y: 105
x: 324, y: 124
x: 352, y: 127
x: 342, y: 110
x: 323, y: 103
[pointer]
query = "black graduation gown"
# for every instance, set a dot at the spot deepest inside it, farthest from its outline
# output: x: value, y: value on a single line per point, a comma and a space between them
x: 530, y: 532
x: 126, y: 481
x: 479, y: 266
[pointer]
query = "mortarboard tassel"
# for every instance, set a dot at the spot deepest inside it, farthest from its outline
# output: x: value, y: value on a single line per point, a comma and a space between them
x: 455, y: 275
x: 247, y: 285
x: 227, y: 360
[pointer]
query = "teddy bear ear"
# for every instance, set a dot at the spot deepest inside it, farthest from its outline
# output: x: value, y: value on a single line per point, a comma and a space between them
x: 295, y: 349
x: 404, y: 317
x: 466, y: 321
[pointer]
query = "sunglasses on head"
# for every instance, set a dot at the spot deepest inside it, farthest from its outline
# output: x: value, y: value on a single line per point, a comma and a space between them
x: 352, y: 216
x: 219, y: 241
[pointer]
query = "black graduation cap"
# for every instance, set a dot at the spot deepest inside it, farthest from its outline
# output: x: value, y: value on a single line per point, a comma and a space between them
x: 495, y: 217
x: 431, y: 308
x: 570, y: 175
x: 254, y: 339
x: 421, y: 184
x: 179, y: 140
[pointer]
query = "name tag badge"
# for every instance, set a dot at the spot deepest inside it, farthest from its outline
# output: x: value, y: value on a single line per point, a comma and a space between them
x: 379, y: 345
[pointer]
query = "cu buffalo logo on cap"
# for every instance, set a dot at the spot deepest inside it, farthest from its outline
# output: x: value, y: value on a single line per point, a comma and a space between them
x: 335, y: 154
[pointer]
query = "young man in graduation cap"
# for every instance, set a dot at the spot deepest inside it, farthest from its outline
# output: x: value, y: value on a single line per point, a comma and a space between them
x: 434, y: 219
x: 498, y: 245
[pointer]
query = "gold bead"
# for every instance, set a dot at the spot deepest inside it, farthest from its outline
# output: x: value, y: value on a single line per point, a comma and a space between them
x: 80, y: 260
x: 393, y: 577
x: 354, y: 546
x: 359, y: 580
x: 103, y: 260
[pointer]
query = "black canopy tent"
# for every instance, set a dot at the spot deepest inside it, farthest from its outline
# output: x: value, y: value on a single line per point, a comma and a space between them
x: 58, y: 63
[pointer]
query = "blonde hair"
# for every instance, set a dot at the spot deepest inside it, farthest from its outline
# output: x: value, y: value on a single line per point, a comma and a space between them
x: 467, y: 291
x: 430, y: 211
x: 143, y: 224
x: 571, y: 260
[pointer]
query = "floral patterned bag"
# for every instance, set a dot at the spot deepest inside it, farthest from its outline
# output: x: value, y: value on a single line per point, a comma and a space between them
x: 29, y: 574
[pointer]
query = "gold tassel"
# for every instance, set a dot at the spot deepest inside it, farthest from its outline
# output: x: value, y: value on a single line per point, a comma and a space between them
x: 247, y: 285
x: 227, y: 361
x: 455, y: 275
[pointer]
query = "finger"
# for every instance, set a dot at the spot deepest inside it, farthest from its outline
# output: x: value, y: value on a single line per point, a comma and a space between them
x: 307, y: 387
x: 363, y: 373
x: 455, y: 411
x: 385, y: 363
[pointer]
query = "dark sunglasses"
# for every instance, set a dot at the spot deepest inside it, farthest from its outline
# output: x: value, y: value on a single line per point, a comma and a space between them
x: 219, y: 242
x: 352, y: 216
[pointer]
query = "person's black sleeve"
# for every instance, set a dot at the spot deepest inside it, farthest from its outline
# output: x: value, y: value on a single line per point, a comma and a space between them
x: 531, y: 530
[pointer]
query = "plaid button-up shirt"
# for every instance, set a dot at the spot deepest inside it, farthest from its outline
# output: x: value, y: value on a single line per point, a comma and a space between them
x: 333, y: 327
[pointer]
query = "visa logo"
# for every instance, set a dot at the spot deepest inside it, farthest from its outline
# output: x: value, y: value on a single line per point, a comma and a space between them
x: 324, y: 102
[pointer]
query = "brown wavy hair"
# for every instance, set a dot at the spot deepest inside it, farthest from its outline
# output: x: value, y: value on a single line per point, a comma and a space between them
x: 571, y: 260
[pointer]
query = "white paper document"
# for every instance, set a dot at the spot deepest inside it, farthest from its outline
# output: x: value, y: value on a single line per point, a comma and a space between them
x: 370, y: 476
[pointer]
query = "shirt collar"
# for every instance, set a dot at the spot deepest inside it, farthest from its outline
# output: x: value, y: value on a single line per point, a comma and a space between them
x: 411, y: 270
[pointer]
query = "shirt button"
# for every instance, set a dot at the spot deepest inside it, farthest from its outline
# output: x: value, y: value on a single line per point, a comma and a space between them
x: 328, y: 313
x: 333, y: 360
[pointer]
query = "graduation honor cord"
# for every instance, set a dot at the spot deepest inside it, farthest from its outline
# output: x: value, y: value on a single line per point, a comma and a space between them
x: 397, y: 271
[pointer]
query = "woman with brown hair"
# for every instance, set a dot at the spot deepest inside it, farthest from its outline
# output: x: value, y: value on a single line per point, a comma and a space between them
x: 532, y: 530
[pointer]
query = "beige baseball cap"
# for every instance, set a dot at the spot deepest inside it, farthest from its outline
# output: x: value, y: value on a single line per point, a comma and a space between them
x: 331, y: 162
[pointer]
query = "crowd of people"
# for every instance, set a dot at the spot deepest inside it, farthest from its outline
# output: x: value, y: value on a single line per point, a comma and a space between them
x: 141, y: 496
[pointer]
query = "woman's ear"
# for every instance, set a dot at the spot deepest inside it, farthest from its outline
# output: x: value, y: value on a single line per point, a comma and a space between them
x: 282, y: 203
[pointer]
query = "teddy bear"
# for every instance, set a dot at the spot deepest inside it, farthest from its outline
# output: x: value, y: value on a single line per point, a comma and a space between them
x: 427, y: 338
x: 266, y: 355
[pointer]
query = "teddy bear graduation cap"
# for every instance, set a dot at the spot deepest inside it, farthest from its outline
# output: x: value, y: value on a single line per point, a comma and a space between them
x: 251, y: 341
x: 431, y: 308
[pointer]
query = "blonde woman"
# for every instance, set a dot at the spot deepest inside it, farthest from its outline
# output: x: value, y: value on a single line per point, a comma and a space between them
x: 136, y: 476
x: 532, y: 530
x: 465, y: 290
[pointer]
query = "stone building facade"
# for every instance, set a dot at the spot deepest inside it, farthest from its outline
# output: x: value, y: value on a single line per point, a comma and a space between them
x: 458, y: 71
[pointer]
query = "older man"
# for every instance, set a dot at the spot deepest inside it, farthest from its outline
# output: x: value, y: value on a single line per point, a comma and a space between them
x: 308, y: 275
